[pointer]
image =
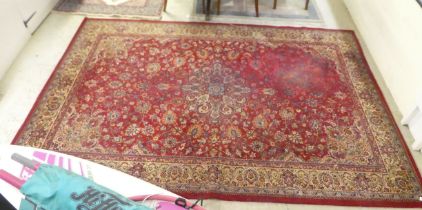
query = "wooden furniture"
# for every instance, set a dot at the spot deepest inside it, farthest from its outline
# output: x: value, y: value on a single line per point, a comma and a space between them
x: 206, y: 7
x: 165, y: 5
x: 307, y: 4
x: 274, y: 6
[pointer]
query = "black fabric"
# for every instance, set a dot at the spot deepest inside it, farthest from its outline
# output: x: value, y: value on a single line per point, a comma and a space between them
x: 5, y: 205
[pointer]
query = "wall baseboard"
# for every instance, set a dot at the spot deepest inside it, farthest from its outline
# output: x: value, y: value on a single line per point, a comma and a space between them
x: 414, y: 121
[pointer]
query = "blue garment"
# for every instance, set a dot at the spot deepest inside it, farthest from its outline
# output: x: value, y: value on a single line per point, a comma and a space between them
x: 54, y: 188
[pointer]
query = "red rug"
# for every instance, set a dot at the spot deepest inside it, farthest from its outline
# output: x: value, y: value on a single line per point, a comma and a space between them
x: 234, y: 112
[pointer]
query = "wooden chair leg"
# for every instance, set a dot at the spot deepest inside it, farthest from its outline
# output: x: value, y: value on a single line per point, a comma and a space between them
x: 307, y: 4
x: 256, y: 8
x: 218, y: 7
x: 207, y: 14
x: 275, y: 4
x: 165, y: 5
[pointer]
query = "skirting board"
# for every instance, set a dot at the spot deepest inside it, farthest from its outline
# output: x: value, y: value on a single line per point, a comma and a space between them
x: 414, y: 121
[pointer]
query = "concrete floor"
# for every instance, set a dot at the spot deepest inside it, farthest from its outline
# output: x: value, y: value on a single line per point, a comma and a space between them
x: 31, y: 69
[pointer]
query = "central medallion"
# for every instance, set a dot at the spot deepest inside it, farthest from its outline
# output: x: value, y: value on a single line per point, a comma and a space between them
x: 216, y: 91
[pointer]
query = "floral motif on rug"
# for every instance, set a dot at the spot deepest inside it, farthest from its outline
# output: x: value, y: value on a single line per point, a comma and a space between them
x: 233, y: 112
x: 134, y: 8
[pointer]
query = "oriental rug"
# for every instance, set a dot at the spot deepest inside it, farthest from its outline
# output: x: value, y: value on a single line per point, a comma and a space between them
x: 234, y: 112
x: 149, y: 9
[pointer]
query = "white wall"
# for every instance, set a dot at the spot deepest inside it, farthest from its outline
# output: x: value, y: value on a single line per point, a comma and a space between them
x: 392, y: 31
x: 13, y: 35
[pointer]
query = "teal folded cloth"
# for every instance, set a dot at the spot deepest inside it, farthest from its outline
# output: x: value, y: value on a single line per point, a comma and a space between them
x: 54, y: 188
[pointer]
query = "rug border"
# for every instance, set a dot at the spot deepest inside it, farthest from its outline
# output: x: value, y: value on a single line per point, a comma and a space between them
x: 336, y: 202
x: 301, y: 201
x: 50, y: 78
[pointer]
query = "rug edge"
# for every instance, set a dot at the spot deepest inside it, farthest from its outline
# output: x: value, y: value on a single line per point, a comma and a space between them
x: 49, y: 80
x: 388, y: 110
x: 302, y: 201
x: 219, y: 23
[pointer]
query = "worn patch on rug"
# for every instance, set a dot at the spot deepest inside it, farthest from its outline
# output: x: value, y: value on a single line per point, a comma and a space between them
x: 124, y: 8
x: 234, y: 112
